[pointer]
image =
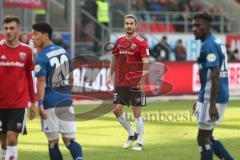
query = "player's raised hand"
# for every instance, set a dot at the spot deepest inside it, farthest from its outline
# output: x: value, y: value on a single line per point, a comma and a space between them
x: 213, y: 113
x: 109, y: 81
x: 42, y: 112
x: 32, y: 111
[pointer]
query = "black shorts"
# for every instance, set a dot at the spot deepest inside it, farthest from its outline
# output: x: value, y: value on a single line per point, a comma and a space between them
x: 12, y: 120
x: 129, y: 97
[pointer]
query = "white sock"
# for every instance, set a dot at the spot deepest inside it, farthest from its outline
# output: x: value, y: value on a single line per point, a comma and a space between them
x: 3, y: 153
x: 140, y: 129
x: 126, y: 124
x: 12, y: 151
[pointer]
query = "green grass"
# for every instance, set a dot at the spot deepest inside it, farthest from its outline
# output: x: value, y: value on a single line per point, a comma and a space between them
x: 165, y: 139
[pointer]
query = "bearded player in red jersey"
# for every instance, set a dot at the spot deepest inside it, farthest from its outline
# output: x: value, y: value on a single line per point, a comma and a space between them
x: 16, y: 89
x: 130, y: 64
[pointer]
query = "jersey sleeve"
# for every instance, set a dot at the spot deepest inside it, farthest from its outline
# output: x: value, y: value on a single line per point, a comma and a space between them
x: 40, y: 67
x: 144, y: 52
x: 212, y: 56
x: 29, y: 63
x: 116, y: 49
x: 29, y: 69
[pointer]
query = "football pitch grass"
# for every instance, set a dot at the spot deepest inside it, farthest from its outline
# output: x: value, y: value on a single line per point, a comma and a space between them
x: 170, y: 134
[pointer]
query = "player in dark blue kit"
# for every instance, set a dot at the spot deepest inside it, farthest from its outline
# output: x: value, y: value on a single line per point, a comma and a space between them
x: 213, y: 95
x: 52, y: 69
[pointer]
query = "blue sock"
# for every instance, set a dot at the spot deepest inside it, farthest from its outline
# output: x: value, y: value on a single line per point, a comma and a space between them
x: 54, y: 152
x: 76, y: 150
x: 206, y: 152
x: 220, y: 150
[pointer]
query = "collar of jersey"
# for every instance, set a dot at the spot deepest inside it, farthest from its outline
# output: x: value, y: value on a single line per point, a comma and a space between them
x: 18, y: 44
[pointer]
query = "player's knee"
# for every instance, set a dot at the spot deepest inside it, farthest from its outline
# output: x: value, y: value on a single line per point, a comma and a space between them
x: 67, y: 141
x: 11, y: 141
x: 52, y: 142
x: 202, y: 140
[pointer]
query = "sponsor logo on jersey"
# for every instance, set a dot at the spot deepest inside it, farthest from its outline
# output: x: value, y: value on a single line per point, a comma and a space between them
x: 126, y: 52
x: 22, y: 55
x: 12, y: 64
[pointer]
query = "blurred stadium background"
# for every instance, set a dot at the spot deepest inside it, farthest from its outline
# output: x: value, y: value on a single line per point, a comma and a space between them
x: 88, y: 30
x: 90, y: 27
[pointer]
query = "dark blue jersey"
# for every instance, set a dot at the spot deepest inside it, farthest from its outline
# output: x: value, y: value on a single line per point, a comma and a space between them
x: 54, y: 63
x: 213, y: 54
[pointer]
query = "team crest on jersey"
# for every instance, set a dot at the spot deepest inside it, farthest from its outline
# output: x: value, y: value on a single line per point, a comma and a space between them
x: 22, y: 55
x: 133, y: 46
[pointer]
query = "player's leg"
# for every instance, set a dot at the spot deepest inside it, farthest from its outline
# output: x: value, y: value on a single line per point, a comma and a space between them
x: 205, y: 128
x: 121, y: 99
x: 50, y: 127
x: 122, y: 118
x: 138, y: 100
x: 139, y: 127
x: 3, y: 138
x: 3, y: 132
x: 68, y: 128
x: 53, y: 146
x: 124, y: 121
x: 204, y: 143
x: 15, y: 125
x: 219, y: 150
x: 74, y: 147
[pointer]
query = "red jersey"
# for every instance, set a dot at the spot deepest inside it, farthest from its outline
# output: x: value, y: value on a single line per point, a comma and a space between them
x: 129, y: 53
x: 16, y: 81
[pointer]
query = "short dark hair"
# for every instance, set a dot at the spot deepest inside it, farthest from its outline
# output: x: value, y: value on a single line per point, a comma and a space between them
x: 11, y: 18
x: 43, y: 27
x: 204, y: 16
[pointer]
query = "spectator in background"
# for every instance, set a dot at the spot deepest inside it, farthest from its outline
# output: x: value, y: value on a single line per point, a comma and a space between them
x: 162, y: 50
x: 232, y: 55
x: 155, y: 6
x: 180, y: 51
x: 57, y: 39
x: 91, y: 7
x: 136, y: 6
x: 103, y: 18
x: 217, y: 18
x: 24, y: 38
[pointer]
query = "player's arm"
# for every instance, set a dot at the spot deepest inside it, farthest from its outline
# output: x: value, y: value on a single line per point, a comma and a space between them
x: 113, y: 64
x: 215, y: 72
x: 213, y: 64
x: 29, y: 69
x: 145, y: 70
x: 40, y: 73
x: 112, y: 69
x: 41, y: 84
